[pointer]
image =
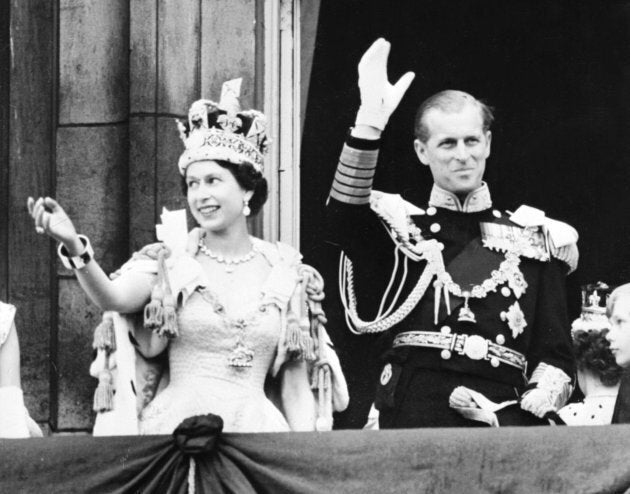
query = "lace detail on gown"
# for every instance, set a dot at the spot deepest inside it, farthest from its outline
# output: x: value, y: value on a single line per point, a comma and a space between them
x: 218, y: 364
x: 7, y: 313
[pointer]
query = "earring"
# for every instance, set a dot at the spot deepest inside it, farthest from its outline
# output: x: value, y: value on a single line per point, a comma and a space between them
x: 246, y: 210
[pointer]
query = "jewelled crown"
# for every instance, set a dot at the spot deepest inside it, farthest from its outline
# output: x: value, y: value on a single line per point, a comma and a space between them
x: 222, y: 131
x: 593, y: 316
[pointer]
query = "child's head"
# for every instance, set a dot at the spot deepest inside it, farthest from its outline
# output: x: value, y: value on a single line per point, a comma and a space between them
x: 618, y: 311
x: 593, y: 356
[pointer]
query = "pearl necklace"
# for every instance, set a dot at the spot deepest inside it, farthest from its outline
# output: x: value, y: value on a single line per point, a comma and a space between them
x: 230, y: 264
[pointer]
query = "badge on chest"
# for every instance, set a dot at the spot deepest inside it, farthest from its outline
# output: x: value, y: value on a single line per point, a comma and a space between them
x: 529, y: 242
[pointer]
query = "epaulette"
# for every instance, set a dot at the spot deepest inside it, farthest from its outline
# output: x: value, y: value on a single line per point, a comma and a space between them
x: 395, y: 212
x: 545, y: 237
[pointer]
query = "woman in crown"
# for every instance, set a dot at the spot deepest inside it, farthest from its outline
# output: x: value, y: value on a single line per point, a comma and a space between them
x: 231, y: 310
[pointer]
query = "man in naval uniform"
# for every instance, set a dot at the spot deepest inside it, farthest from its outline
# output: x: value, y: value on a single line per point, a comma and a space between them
x: 469, y: 299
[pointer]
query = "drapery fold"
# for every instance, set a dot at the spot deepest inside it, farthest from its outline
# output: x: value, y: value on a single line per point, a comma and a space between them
x: 515, y: 460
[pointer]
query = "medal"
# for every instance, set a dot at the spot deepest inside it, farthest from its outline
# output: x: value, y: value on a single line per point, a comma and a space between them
x: 465, y: 314
x: 241, y: 355
x: 515, y: 319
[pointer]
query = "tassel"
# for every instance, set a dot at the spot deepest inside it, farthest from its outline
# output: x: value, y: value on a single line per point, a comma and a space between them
x: 169, y: 320
x: 104, y: 393
x: 104, y: 336
x: 99, y: 363
x: 192, y: 467
x: 437, y: 300
x: 313, y: 336
x: 295, y: 342
x: 153, y: 311
x: 309, y: 348
x: 168, y: 326
x: 324, y: 400
x: 314, y: 378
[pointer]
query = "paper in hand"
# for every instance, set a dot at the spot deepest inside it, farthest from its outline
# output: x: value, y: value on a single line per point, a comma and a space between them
x: 173, y: 231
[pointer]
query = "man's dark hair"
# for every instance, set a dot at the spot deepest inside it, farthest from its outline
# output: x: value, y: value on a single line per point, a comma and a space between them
x: 449, y: 101
x: 248, y: 178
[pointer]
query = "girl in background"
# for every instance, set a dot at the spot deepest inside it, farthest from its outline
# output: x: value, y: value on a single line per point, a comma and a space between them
x: 15, y: 421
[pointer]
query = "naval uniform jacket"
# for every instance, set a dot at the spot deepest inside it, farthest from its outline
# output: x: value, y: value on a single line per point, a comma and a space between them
x: 364, y: 238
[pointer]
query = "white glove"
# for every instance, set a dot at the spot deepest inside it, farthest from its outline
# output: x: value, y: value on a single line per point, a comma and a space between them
x: 461, y: 397
x: 379, y: 98
x: 538, y: 401
x: 553, y: 388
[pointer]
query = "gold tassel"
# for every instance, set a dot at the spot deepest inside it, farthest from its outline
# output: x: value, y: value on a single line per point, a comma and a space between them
x: 104, y: 336
x: 104, y: 393
x: 309, y: 348
x: 295, y: 341
x: 324, y: 400
x: 153, y: 311
x: 169, y: 303
x: 169, y: 324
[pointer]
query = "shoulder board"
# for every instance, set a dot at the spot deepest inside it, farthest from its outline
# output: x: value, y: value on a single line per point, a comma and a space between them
x: 530, y: 242
x: 561, y: 238
x: 394, y: 211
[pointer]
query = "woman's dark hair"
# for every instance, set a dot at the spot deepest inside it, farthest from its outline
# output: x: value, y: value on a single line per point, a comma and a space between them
x: 248, y: 178
x: 592, y: 353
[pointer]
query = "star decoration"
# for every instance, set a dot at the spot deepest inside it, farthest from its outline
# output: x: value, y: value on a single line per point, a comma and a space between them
x: 515, y: 319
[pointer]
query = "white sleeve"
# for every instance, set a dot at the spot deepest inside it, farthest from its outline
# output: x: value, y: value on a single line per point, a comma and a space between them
x: 7, y: 313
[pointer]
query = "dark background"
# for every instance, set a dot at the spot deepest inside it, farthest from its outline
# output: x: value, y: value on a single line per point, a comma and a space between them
x: 557, y: 74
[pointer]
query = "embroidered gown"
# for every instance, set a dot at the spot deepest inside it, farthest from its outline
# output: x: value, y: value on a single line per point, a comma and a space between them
x: 201, y: 377
x: 230, y: 350
x: 220, y: 360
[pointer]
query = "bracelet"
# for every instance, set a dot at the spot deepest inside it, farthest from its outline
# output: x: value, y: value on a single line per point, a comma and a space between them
x: 76, y: 262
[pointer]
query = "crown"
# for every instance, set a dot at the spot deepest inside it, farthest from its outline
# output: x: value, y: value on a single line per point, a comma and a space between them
x: 221, y: 131
x: 593, y: 316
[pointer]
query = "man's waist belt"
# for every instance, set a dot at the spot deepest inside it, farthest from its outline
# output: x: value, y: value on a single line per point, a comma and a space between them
x: 474, y: 347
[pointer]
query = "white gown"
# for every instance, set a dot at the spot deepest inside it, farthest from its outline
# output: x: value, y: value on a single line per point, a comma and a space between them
x: 203, y: 378
x: 229, y: 348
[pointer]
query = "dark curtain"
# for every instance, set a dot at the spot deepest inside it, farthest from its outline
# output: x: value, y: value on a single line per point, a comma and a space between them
x: 515, y: 460
x: 557, y: 73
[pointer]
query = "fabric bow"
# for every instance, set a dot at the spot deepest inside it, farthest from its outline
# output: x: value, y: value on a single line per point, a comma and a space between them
x: 198, y: 434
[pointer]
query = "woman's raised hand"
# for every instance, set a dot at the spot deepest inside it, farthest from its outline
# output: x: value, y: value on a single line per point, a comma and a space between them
x: 50, y: 218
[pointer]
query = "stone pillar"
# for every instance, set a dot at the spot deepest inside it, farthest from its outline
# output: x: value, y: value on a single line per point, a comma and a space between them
x: 91, y: 176
x: 30, y: 154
